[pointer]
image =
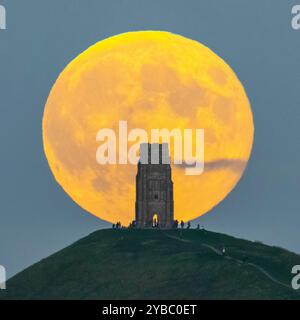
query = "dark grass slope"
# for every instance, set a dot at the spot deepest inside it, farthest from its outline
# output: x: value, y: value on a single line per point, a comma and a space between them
x: 154, y: 264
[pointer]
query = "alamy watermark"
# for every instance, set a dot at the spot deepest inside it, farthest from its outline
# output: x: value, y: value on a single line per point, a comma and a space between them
x: 296, y: 278
x: 188, y: 146
x: 2, y: 278
x: 296, y: 17
x: 2, y: 18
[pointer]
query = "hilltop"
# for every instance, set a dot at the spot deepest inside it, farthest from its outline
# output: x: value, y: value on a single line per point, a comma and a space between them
x: 157, y: 264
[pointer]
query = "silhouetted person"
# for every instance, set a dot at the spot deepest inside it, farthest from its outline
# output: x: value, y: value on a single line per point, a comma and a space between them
x: 175, y: 225
x: 113, y: 226
x: 223, y: 251
x: 182, y: 224
x: 198, y: 226
x: 118, y: 225
x: 189, y: 225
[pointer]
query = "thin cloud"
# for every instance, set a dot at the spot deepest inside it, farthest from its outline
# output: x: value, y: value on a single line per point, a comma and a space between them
x: 235, y: 165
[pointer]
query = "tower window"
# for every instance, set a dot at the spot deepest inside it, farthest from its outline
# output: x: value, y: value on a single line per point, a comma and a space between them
x: 155, y: 196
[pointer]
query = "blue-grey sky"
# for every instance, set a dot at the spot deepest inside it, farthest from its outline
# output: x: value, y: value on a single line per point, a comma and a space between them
x: 255, y: 37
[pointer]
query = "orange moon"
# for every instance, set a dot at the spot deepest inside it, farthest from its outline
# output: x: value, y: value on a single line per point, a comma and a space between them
x: 153, y: 80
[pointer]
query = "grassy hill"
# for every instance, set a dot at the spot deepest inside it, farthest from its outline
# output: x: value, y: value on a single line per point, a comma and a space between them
x: 155, y: 264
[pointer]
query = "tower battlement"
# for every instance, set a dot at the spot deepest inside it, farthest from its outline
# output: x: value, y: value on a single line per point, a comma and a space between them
x: 154, y: 153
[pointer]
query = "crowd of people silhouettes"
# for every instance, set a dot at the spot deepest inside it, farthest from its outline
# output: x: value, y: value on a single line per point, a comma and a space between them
x: 155, y: 224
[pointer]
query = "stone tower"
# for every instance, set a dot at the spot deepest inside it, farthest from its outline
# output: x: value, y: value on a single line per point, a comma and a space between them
x: 154, y: 187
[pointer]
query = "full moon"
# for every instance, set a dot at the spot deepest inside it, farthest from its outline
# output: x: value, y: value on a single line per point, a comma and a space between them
x: 151, y: 79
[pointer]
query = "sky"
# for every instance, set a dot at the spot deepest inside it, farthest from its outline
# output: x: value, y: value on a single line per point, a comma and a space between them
x: 254, y: 37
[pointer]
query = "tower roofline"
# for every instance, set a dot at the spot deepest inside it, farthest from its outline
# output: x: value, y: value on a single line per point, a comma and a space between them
x: 154, y: 153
